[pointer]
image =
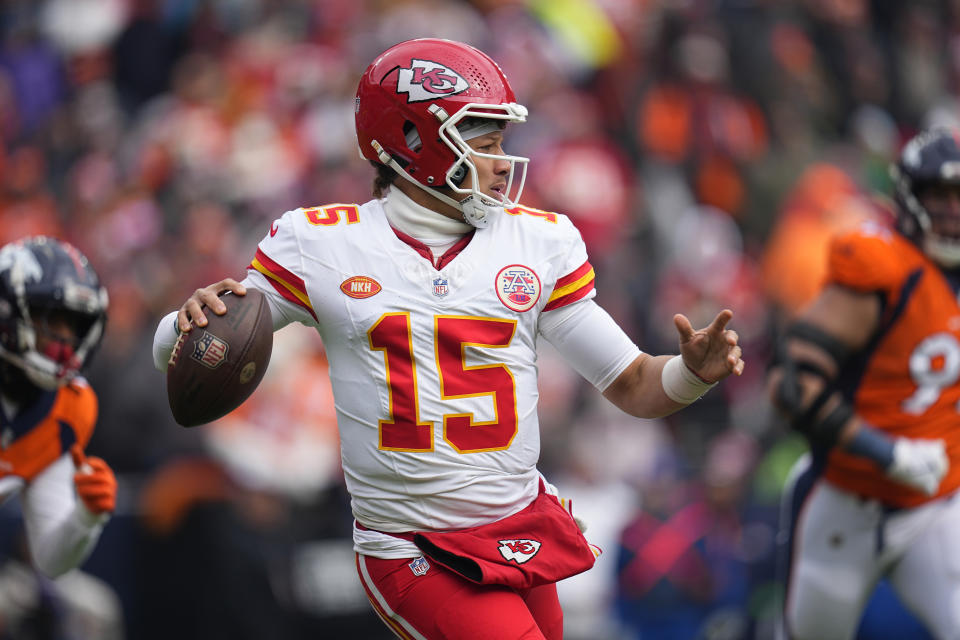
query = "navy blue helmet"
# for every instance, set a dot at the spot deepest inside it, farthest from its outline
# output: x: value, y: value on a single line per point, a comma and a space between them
x: 929, y: 160
x: 44, y: 281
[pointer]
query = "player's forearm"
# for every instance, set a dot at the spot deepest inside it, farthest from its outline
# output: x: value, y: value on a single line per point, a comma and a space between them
x: 61, y: 532
x: 639, y: 389
x: 68, y: 545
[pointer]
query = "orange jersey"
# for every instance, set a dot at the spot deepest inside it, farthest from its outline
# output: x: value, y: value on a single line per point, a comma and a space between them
x: 906, y: 382
x: 40, y: 434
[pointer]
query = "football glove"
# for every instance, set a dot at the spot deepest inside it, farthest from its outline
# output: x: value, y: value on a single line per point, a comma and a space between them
x: 920, y: 464
x: 95, y: 483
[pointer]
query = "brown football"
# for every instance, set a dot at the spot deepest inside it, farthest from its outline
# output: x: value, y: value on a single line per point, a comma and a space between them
x: 213, y: 369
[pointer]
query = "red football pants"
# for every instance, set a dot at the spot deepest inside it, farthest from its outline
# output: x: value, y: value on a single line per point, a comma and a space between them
x: 441, y: 605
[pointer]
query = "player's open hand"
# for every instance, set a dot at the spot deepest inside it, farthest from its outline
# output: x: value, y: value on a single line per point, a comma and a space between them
x: 711, y: 353
x: 95, y: 483
x: 208, y: 296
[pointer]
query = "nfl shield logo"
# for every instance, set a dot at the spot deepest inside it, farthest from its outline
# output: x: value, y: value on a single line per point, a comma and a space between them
x: 419, y: 566
x: 209, y: 350
x: 441, y: 287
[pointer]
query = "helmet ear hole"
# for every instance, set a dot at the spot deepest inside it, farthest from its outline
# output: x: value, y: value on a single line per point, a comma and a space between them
x: 412, y: 135
x: 458, y: 176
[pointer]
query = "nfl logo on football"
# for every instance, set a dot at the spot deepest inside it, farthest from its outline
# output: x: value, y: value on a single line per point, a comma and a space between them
x: 441, y: 287
x: 209, y: 350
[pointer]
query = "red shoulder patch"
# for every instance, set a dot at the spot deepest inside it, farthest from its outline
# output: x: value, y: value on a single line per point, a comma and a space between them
x: 360, y: 287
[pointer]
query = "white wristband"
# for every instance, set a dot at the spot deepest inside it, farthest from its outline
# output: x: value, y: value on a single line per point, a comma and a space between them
x: 680, y: 383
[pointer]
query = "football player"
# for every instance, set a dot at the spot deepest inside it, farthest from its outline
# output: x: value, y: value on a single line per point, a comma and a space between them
x: 52, y: 314
x: 870, y: 373
x: 429, y: 300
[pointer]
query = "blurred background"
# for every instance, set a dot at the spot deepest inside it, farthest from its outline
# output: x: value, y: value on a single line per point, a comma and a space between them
x: 706, y: 149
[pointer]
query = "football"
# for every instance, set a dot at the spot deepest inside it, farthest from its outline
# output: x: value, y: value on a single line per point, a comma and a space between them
x: 213, y: 369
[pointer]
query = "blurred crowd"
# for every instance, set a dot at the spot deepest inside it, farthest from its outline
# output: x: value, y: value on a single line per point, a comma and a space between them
x: 705, y: 149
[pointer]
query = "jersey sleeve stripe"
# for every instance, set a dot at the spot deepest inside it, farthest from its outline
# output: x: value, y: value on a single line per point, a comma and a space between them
x: 571, y: 287
x: 574, y: 276
x: 560, y: 291
x: 286, y: 283
x: 579, y: 294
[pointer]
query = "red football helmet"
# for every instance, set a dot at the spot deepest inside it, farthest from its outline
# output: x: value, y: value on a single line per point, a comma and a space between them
x: 409, y: 104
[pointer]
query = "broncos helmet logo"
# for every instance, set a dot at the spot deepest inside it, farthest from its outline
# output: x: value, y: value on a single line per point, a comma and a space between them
x: 21, y: 263
x: 427, y: 80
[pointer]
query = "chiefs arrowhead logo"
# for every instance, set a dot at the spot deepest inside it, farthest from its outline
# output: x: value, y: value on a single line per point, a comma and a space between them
x: 360, y: 287
x: 426, y: 80
x: 519, y: 551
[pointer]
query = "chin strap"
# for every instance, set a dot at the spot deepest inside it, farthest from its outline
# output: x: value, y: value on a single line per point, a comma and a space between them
x: 476, y: 212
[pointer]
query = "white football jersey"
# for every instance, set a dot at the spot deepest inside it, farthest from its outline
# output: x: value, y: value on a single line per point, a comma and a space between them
x: 433, y: 369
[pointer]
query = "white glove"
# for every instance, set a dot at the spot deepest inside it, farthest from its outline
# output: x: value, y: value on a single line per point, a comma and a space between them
x: 920, y: 464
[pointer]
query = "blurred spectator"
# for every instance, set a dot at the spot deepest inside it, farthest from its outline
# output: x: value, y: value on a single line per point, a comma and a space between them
x: 824, y: 201
x: 682, y: 560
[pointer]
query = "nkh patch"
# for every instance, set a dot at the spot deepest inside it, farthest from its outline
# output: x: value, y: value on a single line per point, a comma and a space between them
x: 360, y: 287
x: 420, y: 566
x: 519, y: 551
x: 209, y: 350
x: 441, y: 287
x: 518, y: 287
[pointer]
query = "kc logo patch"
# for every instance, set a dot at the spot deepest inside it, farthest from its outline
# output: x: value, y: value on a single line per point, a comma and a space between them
x: 426, y: 80
x: 518, y: 287
x: 209, y: 350
x: 519, y: 551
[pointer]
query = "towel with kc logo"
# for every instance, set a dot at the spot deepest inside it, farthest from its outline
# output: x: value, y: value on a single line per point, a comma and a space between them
x: 539, y: 545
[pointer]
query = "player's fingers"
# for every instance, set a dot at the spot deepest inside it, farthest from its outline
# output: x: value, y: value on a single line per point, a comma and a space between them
x: 229, y: 284
x: 684, y: 328
x: 732, y: 336
x: 94, y: 489
x: 720, y: 321
x: 192, y: 310
x: 210, y: 296
x: 733, y: 357
x: 183, y: 320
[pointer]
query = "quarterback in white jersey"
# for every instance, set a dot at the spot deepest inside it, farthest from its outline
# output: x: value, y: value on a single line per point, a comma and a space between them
x: 433, y: 368
x: 430, y: 300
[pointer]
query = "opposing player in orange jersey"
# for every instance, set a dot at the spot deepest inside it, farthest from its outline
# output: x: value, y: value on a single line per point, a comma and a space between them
x: 870, y: 372
x: 52, y: 314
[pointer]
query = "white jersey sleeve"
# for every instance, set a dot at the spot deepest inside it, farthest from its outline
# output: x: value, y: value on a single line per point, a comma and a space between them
x: 575, y: 280
x: 591, y: 341
x: 584, y: 334
x: 61, y: 532
x: 278, y: 268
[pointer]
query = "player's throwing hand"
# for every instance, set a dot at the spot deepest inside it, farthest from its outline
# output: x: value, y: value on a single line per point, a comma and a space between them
x: 712, y: 353
x: 209, y: 297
